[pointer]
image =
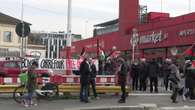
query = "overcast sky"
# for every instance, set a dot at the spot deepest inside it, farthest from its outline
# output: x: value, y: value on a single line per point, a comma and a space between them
x: 50, y: 15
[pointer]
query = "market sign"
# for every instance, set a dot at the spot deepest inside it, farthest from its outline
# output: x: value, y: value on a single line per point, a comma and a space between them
x: 186, y: 32
x: 155, y: 37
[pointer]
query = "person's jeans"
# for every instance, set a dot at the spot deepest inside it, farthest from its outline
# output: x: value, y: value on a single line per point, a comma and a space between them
x: 174, y: 94
x: 84, y: 92
x: 135, y: 83
x: 29, y: 97
x: 93, y: 85
x: 154, y: 82
x: 142, y: 84
x: 123, y: 89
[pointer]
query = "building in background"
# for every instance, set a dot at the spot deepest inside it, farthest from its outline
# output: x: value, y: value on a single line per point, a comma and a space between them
x: 38, y: 44
x: 53, y: 42
x: 10, y: 42
x: 159, y: 36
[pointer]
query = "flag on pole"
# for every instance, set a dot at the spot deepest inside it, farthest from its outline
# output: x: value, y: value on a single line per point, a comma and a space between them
x: 189, y: 55
x: 189, y: 51
x: 83, y: 52
x: 101, y: 54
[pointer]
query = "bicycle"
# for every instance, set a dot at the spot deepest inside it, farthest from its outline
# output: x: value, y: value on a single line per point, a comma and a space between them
x: 47, y: 90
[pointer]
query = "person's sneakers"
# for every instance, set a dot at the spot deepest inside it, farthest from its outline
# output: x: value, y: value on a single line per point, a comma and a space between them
x: 175, y: 101
x: 121, y: 101
x: 25, y: 103
x: 86, y: 101
x: 32, y: 103
x: 171, y: 97
x: 184, y: 97
x: 97, y: 98
x: 192, y: 99
x: 81, y: 100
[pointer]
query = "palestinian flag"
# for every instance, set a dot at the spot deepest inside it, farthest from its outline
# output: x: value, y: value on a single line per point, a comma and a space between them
x: 83, y: 52
x: 190, y: 53
x: 101, y: 54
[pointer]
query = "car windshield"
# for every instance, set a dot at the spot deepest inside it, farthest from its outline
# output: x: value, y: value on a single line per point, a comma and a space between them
x: 12, y: 65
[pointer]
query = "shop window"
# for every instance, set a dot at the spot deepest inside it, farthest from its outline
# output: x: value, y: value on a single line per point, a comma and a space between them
x: 7, y: 37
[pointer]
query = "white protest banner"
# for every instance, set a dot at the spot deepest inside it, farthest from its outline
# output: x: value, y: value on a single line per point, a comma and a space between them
x: 56, y: 64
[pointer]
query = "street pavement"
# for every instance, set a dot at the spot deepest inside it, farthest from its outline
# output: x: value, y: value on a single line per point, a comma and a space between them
x: 136, y: 98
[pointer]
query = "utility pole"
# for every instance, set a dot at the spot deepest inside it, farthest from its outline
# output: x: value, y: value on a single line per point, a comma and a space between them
x: 69, y: 34
x: 22, y: 38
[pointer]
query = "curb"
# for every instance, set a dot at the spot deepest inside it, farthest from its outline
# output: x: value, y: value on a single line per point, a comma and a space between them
x: 138, y: 107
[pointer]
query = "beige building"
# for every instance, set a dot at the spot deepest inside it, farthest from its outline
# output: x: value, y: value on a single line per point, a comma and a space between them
x: 10, y: 43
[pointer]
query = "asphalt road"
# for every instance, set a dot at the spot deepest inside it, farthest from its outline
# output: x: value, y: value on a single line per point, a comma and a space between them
x: 162, y: 100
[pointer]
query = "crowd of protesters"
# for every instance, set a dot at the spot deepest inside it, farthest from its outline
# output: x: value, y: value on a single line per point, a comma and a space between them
x: 178, y: 77
x: 144, y: 74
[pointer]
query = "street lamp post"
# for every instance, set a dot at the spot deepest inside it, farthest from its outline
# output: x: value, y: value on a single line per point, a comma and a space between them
x: 69, y: 34
x: 22, y: 38
x: 134, y: 41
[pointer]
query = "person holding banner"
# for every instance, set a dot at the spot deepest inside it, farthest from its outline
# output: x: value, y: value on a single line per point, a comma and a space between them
x: 84, y: 79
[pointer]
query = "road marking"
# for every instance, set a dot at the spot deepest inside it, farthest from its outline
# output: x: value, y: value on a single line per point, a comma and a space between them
x: 149, y: 94
x: 185, y: 107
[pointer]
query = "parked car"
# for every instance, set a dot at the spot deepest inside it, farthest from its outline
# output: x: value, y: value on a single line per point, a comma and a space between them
x: 12, y: 68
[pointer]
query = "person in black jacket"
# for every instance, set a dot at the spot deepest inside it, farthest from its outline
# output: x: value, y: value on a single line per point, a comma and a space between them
x: 190, y: 80
x: 92, y: 77
x: 123, y: 71
x: 134, y: 75
x: 143, y: 74
x: 153, y: 70
x: 166, y: 73
x: 84, y: 80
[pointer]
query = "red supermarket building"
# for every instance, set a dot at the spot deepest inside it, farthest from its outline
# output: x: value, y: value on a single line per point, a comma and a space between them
x: 156, y: 38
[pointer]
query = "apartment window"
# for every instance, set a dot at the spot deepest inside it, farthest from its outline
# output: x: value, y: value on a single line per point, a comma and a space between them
x: 7, y: 36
